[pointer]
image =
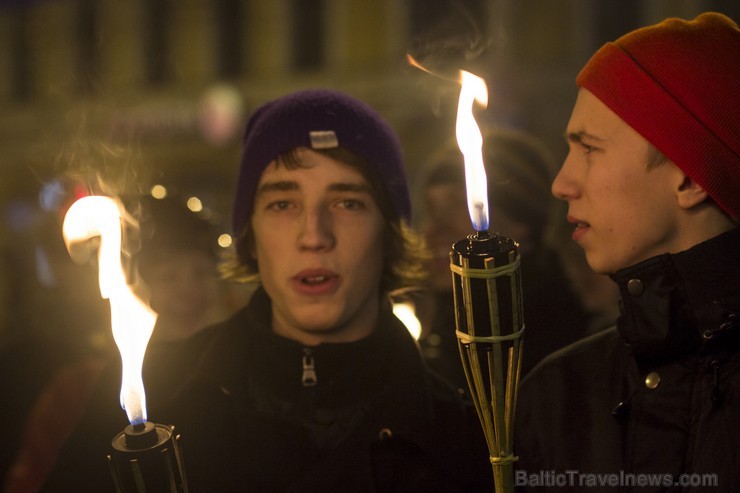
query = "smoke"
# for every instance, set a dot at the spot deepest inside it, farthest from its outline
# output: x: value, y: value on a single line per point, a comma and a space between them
x: 451, y: 38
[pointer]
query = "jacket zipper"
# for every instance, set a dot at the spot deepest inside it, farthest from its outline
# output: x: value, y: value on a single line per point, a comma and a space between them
x: 309, y: 377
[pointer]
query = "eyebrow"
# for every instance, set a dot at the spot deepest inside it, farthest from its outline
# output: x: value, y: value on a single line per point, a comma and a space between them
x: 581, y: 136
x: 276, y: 186
x: 349, y: 187
x: 288, y: 185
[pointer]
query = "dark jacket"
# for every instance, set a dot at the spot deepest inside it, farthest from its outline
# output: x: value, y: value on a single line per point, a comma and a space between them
x: 81, y: 425
x: 264, y: 413
x: 658, y: 394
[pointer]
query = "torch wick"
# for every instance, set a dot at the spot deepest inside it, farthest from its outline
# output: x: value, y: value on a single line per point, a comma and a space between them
x: 139, y: 427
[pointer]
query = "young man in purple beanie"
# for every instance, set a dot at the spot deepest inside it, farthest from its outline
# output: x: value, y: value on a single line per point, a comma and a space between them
x: 652, y: 182
x: 315, y: 385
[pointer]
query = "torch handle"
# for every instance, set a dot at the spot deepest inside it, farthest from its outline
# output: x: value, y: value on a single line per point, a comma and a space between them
x: 489, y: 327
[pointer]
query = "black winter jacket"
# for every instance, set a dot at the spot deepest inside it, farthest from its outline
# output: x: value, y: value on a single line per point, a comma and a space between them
x: 654, y: 403
x: 264, y: 413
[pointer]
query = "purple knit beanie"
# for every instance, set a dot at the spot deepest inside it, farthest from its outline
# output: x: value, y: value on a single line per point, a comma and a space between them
x: 319, y: 119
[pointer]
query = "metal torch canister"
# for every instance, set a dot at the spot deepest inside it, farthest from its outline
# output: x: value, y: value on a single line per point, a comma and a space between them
x: 486, y: 281
x: 147, y: 458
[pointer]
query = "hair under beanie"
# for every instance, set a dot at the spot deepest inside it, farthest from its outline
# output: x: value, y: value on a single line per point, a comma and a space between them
x: 319, y: 119
x: 677, y: 83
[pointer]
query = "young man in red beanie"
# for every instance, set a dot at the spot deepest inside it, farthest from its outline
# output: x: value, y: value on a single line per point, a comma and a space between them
x: 315, y: 385
x: 652, y: 182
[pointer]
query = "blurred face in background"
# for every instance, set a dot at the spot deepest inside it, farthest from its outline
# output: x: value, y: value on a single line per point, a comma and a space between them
x: 446, y: 220
x: 184, y: 291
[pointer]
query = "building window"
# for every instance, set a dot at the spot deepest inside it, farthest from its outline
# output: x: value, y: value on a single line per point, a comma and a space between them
x: 156, y: 43
x: 308, y: 34
x: 88, y: 47
x: 229, y: 15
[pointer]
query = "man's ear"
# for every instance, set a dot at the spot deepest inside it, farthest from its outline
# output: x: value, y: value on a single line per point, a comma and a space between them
x: 690, y: 193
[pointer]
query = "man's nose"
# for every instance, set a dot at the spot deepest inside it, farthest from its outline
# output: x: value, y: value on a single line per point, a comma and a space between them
x: 565, y: 185
x: 317, y: 231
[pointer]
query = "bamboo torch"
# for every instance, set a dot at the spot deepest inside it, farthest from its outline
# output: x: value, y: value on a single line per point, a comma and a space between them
x: 488, y: 300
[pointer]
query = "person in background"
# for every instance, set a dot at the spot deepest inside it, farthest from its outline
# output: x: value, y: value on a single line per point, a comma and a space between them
x: 519, y: 171
x: 55, y: 322
x: 315, y: 385
x: 652, y: 182
x: 177, y: 263
x: 69, y: 429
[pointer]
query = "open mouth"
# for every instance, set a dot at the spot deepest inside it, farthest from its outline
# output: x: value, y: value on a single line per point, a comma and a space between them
x: 313, y: 280
x: 316, y: 281
x: 580, y: 230
x: 577, y: 222
x: 581, y: 227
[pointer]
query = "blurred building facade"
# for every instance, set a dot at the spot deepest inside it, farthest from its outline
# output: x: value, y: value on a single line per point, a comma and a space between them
x: 139, y: 73
x: 145, y: 91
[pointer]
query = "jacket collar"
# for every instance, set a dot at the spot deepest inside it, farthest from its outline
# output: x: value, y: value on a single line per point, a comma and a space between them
x: 251, y: 363
x: 678, y: 304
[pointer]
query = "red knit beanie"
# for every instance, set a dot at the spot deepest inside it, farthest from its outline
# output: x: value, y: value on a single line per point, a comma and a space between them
x: 677, y: 83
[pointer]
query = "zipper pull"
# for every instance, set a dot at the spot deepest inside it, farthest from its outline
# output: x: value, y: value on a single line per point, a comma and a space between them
x: 309, y: 378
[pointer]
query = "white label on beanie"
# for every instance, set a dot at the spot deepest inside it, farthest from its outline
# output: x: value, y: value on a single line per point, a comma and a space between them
x: 323, y: 139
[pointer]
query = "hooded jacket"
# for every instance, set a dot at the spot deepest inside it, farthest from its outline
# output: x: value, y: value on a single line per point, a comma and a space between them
x: 652, y: 404
x: 265, y: 413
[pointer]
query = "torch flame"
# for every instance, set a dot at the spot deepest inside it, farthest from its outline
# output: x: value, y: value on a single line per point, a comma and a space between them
x: 470, y: 142
x: 132, y: 320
